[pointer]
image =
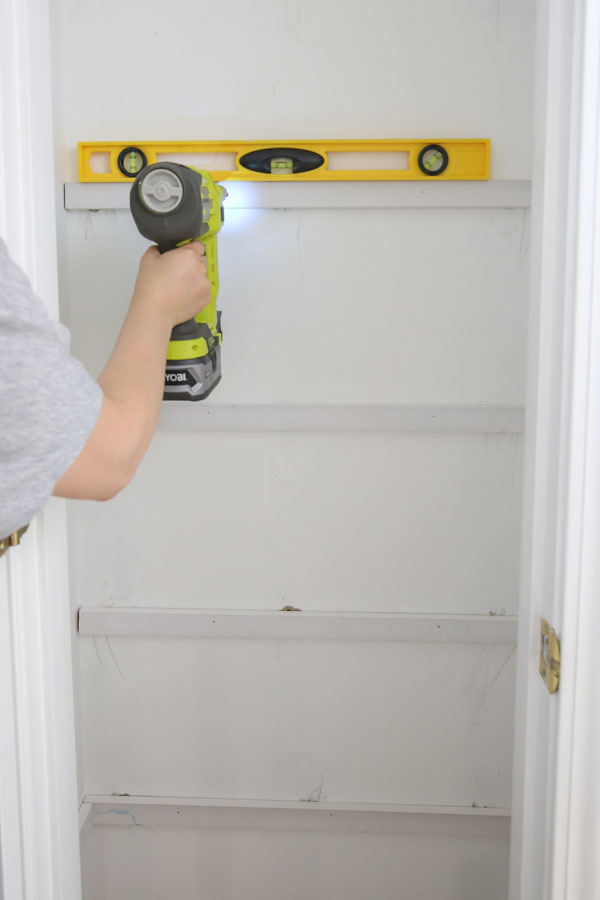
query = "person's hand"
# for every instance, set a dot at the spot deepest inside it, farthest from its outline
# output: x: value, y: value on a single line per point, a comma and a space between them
x: 174, y: 283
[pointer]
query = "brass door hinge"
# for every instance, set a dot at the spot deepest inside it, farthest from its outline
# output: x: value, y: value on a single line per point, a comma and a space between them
x: 13, y: 540
x: 549, y: 657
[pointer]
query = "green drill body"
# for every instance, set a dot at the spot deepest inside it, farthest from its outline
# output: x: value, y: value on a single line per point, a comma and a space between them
x: 171, y: 205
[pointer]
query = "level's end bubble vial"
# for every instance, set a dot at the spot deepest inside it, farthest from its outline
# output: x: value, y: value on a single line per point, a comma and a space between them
x: 131, y: 161
x: 134, y: 163
x: 433, y: 159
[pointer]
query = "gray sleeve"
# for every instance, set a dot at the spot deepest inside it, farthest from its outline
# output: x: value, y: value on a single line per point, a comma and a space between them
x: 49, y: 404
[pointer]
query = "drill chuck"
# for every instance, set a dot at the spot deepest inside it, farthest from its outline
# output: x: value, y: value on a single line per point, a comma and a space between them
x: 161, y: 191
x: 168, y: 204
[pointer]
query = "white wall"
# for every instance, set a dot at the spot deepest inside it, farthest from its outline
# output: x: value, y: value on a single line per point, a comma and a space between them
x: 406, y: 523
x: 328, y: 306
x: 334, y: 306
x: 146, y: 69
x: 246, y: 865
x: 295, y: 720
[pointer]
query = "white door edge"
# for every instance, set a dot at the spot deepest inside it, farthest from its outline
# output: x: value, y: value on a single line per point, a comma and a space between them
x: 39, y: 845
x: 556, y: 800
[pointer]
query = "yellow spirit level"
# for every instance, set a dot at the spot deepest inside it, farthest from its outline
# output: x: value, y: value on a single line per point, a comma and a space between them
x: 386, y: 160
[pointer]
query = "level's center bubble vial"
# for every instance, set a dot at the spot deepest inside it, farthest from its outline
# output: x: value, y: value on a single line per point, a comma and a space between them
x: 282, y: 165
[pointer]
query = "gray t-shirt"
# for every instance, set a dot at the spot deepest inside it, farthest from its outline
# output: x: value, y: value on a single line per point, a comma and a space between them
x: 48, y: 402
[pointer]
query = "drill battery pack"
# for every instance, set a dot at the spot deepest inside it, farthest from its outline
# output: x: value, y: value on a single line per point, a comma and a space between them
x: 196, y: 378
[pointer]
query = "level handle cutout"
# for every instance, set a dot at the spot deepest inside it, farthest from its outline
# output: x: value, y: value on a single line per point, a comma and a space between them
x: 340, y: 161
x: 99, y: 163
x: 212, y: 162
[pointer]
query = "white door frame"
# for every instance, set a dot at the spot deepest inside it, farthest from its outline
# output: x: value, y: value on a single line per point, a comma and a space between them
x: 556, y: 799
x: 556, y: 823
x: 39, y: 840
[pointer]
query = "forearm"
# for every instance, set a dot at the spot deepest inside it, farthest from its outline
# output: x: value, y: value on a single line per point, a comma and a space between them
x: 132, y: 384
x: 133, y: 379
x: 169, y: 289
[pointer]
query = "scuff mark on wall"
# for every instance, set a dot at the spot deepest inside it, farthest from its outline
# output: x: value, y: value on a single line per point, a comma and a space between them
x: 120, y: 812
x: 482, y: 677
x: 115, y: 589
x: 100, y: 660
x: 317, y: 794
x: 116, y: 661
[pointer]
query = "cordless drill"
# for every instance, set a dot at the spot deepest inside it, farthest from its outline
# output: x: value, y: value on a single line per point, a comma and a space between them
x: 172, y: 205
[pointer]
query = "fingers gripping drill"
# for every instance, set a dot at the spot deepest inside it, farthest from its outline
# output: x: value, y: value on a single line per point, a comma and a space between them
x: 171, y: 205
